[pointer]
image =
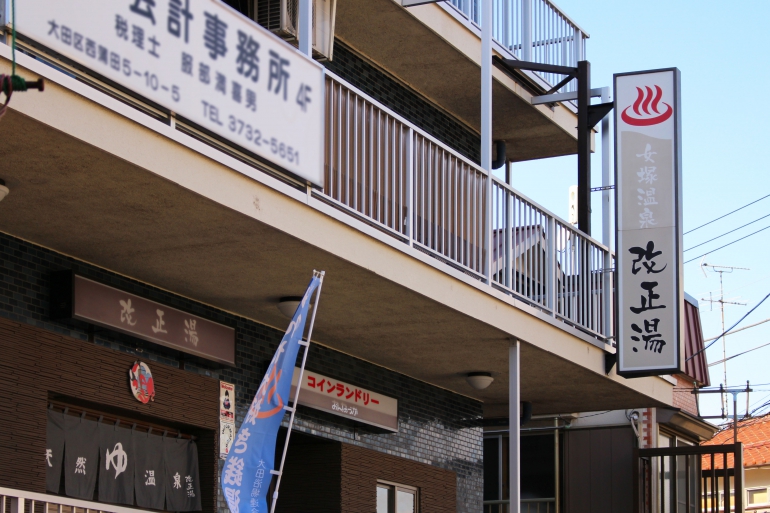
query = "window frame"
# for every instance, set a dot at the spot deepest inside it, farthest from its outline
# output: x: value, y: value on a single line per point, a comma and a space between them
x: 394, y: 488
x: 766, y: 489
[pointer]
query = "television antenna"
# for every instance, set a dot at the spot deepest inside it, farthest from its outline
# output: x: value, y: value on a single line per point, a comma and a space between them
x: 722, y: 269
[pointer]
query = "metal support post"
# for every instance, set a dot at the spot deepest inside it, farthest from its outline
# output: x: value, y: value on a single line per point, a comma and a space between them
x: 306, y: 27
x: 584, y: 147
x: 514, y: 435
x: 486, y: 128
x: 607, y: 219
x: 410, y: 168
x: 526, y: 30
x: 293, y: 409
x: 739, y: 477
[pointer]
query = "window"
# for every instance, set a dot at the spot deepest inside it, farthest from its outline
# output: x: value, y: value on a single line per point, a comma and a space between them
x: 757, y: 496
x: 394, y: 498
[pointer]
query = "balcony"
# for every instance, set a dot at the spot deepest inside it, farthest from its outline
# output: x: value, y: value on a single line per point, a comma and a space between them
x: 411, y: 232
x: 394, y: 176
x: 436, y: 48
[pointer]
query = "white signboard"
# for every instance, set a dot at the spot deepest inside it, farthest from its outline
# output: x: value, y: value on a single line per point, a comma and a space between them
x: 346, y: 400
x: 648, y: 184
x: 201, y: 60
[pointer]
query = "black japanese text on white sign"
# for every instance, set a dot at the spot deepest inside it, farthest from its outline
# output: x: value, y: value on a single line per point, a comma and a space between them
x: 202, y: 60
x: 648, y: 229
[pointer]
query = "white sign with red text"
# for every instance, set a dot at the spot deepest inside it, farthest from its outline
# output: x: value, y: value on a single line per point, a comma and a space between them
x: 648, y: 223
x: 346, y: 400
x: 202, y: 60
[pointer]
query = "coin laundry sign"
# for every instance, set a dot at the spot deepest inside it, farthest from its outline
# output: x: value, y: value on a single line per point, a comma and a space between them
x: 649, y: 219
x: 202, y: 60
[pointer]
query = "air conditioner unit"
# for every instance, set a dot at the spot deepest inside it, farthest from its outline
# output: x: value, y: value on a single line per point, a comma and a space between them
x: 281, y: 18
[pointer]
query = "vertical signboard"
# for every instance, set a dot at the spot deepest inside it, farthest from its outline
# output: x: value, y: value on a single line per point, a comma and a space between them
x: 649, y: 218
x: 226, y: 418
x: 201, y: 60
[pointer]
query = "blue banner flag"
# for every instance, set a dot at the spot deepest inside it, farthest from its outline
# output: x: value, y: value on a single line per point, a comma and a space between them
x: 246, y: 476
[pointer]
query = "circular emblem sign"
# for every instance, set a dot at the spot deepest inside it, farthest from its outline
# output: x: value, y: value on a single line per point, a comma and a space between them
x: 142, y: 386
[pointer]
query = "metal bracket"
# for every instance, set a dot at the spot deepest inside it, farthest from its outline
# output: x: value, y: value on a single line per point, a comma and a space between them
x: 597, y: 112
x: 610, y: 360
x: 412, y: 3
x: 562, y: 97
x: 604, y: 188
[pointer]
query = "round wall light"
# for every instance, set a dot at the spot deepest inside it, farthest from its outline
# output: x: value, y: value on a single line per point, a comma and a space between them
x: 479, y: 380
x: 288, y: 305
x: 3, y: 190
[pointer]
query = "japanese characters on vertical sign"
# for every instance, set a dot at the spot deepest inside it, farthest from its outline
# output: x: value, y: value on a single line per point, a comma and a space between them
x: 648, y: 228
x: 226, y: 418
x: 201, y: 60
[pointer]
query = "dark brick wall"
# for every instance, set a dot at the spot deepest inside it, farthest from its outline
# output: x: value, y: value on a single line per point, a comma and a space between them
x: 361, y: 468
x: 404, y: 101
x: 436, y: 427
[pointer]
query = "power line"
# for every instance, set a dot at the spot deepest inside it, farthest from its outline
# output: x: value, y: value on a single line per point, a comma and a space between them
x: 741, y: 329
x: 726, y: 233
x: 739, y: 354
x: 727, y: 331
x: 734, y: 211
x: 728, y: 244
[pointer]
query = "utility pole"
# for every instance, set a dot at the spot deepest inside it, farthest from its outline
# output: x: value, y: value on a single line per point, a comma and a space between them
x: 722, y: 269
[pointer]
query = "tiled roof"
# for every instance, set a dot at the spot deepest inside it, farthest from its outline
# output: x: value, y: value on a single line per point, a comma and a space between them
x: 755, y: 436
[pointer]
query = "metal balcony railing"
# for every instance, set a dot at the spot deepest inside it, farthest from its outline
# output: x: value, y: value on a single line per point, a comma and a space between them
x: 19, y: 501
x: 526, y: 506
x: 533, y: 30
x: 398, y: 178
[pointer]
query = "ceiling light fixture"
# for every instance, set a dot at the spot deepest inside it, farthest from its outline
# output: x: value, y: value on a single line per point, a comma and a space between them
x: 288, y: 305
x: 3, y: 190
x: 479, y: 380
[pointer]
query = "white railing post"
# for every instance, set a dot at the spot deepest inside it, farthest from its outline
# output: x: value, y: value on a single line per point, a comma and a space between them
x: 510, y: 260
x: 506, y: 25
x: 17, y: 504
x: 526, y: 30
x: 410, y: 171
x: 550, y: 266
x: 486, y: 129
x: 578, y: 39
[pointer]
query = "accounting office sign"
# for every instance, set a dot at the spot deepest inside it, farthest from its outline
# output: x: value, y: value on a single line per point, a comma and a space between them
x: 649, y: 219
x: 201, y: 60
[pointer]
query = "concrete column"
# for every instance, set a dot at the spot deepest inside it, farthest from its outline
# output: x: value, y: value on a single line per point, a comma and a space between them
x: 514, y: 399
x: 305, y: 29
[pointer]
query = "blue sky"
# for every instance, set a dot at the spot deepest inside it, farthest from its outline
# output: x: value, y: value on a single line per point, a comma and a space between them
x: 720, y: 49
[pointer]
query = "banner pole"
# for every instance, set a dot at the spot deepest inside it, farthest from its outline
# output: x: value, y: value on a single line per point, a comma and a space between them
x: 293, y: 409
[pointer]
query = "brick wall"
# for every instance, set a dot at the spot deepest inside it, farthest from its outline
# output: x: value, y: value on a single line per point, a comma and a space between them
x: 436, y: 427
x: 361, y: 468
x: 37, y: 365
x: 682, y: 397
x: 404, y: 101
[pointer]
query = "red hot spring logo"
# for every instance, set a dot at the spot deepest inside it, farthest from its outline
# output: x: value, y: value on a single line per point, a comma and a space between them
x: 646, y: 110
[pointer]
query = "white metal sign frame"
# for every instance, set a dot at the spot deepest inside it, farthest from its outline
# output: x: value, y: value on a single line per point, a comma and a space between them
x: 650, y: 295
x: 201, y: 60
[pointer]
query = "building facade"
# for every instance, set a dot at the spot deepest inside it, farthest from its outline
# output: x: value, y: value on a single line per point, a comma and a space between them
x: 436, y: 269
